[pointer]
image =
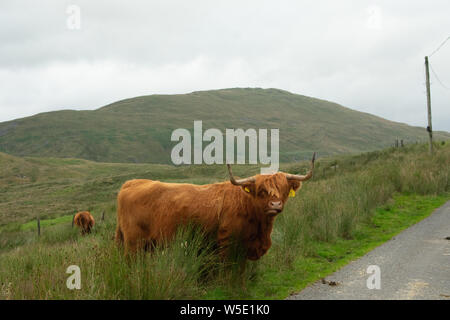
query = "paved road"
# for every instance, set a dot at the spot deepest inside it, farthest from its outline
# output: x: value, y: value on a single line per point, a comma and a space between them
x: 413, y: 265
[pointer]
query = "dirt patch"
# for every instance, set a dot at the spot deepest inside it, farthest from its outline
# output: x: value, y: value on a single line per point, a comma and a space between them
x: 330, y: 283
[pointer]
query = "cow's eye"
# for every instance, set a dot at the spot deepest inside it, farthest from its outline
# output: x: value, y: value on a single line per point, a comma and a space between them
x: 262, y: 193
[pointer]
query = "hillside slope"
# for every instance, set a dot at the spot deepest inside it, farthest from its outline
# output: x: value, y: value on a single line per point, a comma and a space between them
x: 139, y: 129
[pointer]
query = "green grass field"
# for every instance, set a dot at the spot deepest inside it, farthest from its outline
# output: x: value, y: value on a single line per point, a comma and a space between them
x: 353, y: 204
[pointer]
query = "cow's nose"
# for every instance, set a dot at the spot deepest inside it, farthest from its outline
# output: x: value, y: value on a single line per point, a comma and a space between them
x: 275, y: 204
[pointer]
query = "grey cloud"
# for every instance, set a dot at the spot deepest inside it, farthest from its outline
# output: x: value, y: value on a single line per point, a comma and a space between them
x: 325, y: 49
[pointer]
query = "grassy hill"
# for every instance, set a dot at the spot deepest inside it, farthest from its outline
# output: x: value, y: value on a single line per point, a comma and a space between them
x: 138, y: 130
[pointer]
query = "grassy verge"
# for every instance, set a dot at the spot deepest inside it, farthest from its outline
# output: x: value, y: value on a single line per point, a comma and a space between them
x: 388, y: 220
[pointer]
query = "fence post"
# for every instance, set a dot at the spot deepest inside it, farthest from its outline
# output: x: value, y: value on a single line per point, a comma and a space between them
x: 39, y: 226
x: 103, y: 215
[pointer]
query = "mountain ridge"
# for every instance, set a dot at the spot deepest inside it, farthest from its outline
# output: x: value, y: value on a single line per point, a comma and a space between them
x: 139, y: 129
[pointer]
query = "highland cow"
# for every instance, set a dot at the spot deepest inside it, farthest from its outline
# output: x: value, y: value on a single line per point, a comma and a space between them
x: 149, y: 212
x: 85, y: 221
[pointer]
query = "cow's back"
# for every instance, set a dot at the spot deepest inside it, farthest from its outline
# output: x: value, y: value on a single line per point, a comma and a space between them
x: 152, y: 210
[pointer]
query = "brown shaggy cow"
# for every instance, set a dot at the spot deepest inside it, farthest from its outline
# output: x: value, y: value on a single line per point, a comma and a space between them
x: 150, y: 211
x: 85, y: 221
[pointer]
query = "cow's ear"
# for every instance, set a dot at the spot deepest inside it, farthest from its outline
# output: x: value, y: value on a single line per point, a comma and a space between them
x: 249, y: 188
x: 294, y: 184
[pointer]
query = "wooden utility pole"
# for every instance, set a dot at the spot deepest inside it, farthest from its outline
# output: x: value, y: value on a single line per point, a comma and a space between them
x: 429, y: 128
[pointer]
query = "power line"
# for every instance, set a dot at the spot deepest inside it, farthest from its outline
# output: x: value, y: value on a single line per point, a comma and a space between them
x: 440, y: 46
x: 436, y: 76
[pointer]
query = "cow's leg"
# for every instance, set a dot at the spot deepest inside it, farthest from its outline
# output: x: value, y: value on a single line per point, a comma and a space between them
x: 131, y: 246
x: 149, y: 245
x: 223, y: 241
x: 119, y: 235
x: 230, y: 245
x: 258, y: 247
x: 134, y: 241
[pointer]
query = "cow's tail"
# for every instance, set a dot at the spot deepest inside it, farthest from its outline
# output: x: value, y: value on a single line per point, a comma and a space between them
x: 119, y: 235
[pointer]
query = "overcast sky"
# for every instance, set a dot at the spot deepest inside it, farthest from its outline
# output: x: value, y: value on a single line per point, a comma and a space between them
x: 366, y: 55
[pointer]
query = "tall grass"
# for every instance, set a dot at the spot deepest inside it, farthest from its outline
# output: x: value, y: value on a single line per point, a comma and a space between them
x: 170, y: 271
x: 330, y: 208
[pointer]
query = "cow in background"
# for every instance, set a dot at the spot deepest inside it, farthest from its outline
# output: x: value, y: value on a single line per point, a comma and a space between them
x: 85, y: 221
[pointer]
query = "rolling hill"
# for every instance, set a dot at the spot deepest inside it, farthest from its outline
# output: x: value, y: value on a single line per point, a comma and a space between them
x: 138, y: 130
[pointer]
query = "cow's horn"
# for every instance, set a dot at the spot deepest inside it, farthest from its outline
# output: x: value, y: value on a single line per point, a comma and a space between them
x: 300, y: 177
x: 239, y: 182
